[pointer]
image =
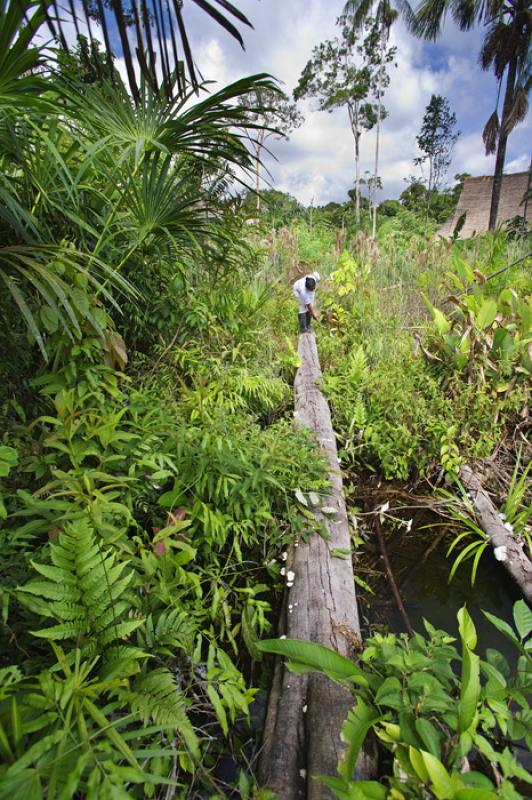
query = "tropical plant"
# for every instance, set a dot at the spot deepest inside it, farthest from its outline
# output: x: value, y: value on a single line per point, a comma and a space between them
x: 448, y: 733
x: 384, y: 14
x: 156, y: 28
x: 279, y: 117
x: 505, y: 49
x: 488, y: 338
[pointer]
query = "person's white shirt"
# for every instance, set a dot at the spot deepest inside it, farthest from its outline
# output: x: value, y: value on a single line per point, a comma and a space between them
x: 303, y: 295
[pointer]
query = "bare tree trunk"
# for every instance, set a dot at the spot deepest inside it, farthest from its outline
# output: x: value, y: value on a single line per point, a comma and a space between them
x: 357, y: 179
x: 306, y: 712
x: 377, y: 137
x: 356, y: 136
x: 501, y: 147
x: 515, y: 560
x: 258, y: 148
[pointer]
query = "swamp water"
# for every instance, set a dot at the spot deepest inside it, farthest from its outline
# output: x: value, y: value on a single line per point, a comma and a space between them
x: 423, y: 581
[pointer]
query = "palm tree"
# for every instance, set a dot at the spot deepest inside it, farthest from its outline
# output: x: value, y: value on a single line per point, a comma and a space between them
x: 92, y: 182
x: 157, y: 26
x: 505, y: 49
x: 385, y: 12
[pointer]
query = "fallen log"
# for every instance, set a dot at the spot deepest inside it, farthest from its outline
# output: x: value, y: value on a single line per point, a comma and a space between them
x: 508, y: 549
x: 306, y: 712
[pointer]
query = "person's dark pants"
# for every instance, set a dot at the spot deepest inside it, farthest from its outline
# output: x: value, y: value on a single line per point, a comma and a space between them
x: 304, y: 321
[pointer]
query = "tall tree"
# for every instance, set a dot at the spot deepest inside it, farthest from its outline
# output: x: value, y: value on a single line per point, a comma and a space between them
x: 384, y: 12
x: 436, y: 140
x: 339, y: 75
x: 276, y: 115
x: 505, y: 50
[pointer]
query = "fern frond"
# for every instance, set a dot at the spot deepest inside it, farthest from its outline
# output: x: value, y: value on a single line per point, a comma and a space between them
x: 158, y: 697
x: 52, y: 591
x: 172, y: 628
x: 66, y: 630
x: 119, y: 631
x: 85, y: 584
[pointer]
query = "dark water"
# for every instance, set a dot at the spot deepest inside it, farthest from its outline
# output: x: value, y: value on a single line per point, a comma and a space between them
x: 427, y: 593
x: 426, y: 590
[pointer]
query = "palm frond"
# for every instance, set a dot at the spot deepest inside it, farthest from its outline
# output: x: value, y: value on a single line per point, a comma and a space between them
x: 161, y: 208
x: 428, y: 18
x: 517, y: 112
x: 150, y: 30
x: 31, y: 270
x: 490, y: 134
x: 19, y: 85
x: 216, y: 129
x: 492, y: 44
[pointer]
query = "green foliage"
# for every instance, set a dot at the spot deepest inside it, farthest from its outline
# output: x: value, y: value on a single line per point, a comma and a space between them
x: 433, y: 720
x: 140, y: 514
x: 487, y: 338
x: 436, y: 140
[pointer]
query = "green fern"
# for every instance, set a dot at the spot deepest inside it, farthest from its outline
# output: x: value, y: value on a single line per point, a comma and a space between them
x: 157, y: 697
x: 358, y: 367
x: 171, y: 630
x: 83, y: 592
x: 360, y: 416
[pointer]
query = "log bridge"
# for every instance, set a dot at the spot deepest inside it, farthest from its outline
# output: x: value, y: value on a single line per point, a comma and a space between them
x: 306, y: 712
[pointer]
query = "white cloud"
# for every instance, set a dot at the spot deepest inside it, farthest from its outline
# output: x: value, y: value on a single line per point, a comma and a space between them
x: 318, y: 162
x: 520, y: 164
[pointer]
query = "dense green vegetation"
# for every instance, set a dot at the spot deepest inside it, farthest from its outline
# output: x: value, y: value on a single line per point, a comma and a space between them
x: 149, y: 470
x: 147, y: 463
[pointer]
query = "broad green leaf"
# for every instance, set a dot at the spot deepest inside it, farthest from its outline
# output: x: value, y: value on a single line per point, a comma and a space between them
x: 49, y: 318
x: 390, y: 693
x: 503, y: 627
x: 315, y: 656
x: 440, y: 320
x: 439, y: 777
x: 249, y: 635
x: 466, y: 628
x: 218, y: 708
x: 416, y: 759
x: 470, y: 689
x: 429, y: 735
x: 522, y: 618
x: 359, y: 720
x: 486, y: 313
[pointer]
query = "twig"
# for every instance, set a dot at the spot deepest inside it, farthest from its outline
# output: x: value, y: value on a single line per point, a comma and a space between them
x: 500, y: 271
x: 391, y: 579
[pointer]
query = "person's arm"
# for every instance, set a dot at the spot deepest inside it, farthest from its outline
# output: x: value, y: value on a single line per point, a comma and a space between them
x: 312, y: 312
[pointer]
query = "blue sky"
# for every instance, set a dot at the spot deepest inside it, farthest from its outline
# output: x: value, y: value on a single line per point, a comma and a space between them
x: 317, y: 163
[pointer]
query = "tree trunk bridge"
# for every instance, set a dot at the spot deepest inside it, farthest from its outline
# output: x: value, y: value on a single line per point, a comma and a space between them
x: 306, y: 712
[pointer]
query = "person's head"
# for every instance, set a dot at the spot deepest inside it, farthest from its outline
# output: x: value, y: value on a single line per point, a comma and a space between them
x: 312, y: 280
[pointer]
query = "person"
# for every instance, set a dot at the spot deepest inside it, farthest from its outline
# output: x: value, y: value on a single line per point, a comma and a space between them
x: 304, y: 290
